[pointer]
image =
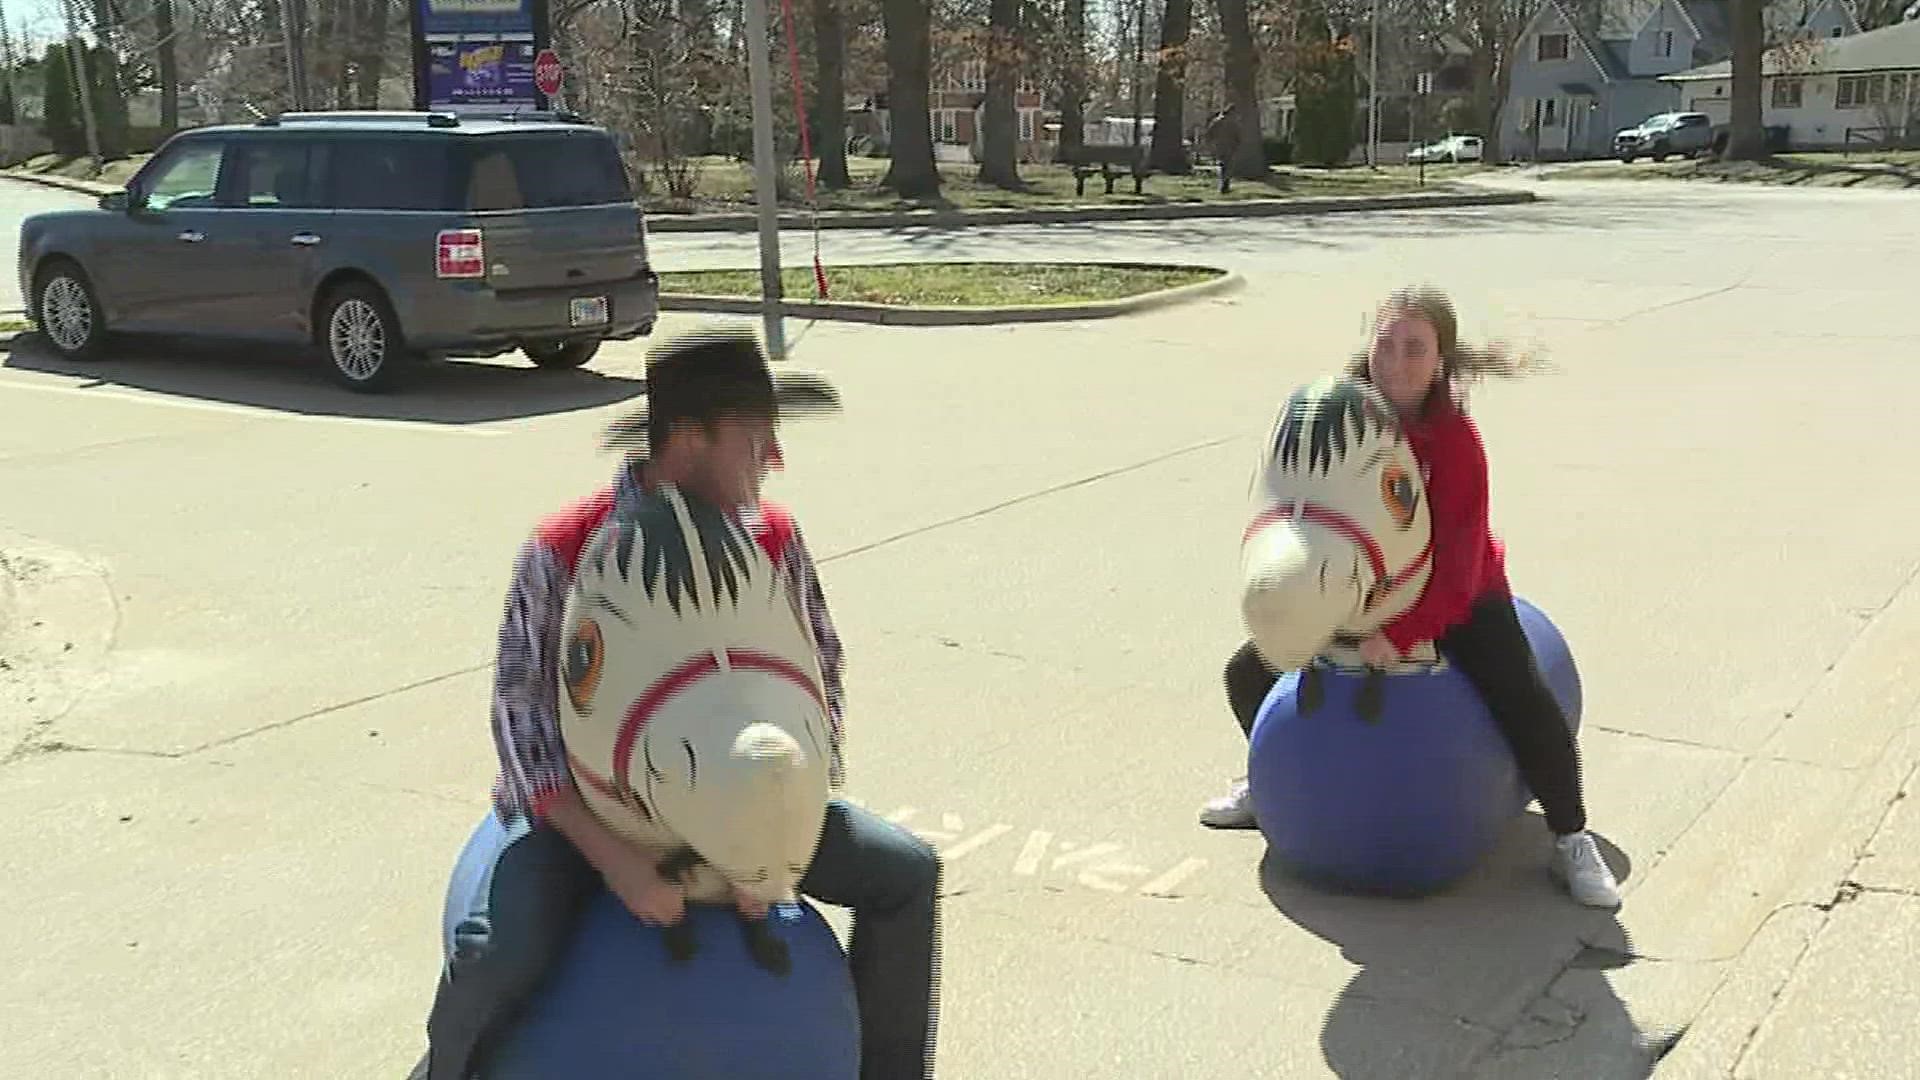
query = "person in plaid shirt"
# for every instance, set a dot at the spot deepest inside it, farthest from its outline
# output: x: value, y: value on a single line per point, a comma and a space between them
x: 709, y: 427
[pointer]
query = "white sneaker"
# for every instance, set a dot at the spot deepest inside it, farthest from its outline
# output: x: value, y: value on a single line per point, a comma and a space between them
x: 1233, y: 810
x: 1578, y: 866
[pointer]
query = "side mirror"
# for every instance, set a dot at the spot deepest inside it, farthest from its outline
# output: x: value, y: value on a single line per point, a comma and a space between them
x: 118, y: 202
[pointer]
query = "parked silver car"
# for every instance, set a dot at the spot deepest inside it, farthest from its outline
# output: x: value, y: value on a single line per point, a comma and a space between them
x: 379, y: 238
x: 1665, y: 134
x: 1453, y: 148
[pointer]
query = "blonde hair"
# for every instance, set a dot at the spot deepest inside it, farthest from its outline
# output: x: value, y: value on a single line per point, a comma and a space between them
x: 1460, y: 363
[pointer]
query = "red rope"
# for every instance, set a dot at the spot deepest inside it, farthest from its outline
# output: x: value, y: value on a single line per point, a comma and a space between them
x: 806, y: 143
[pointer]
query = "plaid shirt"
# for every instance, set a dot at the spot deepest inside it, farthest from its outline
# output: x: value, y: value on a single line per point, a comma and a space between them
x: 526, y: 717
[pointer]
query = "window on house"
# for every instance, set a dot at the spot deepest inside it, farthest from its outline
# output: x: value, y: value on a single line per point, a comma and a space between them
x: 1835, y: 32
x: 1549, y: 113
x: 1552, y: 47
x: 1897, y: 86
x: 1666, y: 43
x: 1859, y: 91
x: 1026, y: 125
x: 1787, y: 93
x: 949, y: 126
x: 972, y: 76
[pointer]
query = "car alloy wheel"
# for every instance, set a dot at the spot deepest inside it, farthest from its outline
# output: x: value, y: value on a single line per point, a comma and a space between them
x: 67, y: 313
x: 357, y: 339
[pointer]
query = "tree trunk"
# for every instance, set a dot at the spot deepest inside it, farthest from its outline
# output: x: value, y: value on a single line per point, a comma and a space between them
x: 999, y: 128
x: 326, y: 54
x: 1746, y: 141
x: 1169, y: 152
x: 909, y: 32
x: 1242, y: 74
x: 830, y: 93
x: 371, y: 66
x: 1073, y: 82
x: 167, y: 61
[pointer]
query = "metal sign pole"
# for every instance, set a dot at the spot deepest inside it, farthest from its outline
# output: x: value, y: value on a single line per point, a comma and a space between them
x: 766, y: 192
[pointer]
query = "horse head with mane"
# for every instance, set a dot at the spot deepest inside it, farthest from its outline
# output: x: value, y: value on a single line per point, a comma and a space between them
x: 691, y: 702
x: 1340, y: 542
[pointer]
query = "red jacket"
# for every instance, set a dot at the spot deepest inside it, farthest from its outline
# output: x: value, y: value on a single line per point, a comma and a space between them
x: 1468, y: 561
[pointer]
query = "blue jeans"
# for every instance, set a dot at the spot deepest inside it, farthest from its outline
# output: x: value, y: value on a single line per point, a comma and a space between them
x: 889, y: 877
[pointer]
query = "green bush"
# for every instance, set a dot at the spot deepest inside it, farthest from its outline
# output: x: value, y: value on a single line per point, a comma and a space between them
x: 66, y: 122
x: 1326, y: 100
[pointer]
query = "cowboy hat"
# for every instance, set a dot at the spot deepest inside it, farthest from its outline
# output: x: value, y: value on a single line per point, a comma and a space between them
x: 711, y: 372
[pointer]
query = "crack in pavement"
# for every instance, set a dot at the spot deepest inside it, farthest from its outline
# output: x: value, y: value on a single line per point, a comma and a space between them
x: 276, y: 725
x: 1031, y: 496
x: 1666, y: 739
x: 1848, y: 890
x: 1708, y: 295
x: 31, y: 743
x: 1853, y: 643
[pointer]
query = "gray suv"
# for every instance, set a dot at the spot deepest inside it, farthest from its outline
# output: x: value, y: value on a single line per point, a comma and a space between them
x: 1688, y: 133
x: 379, y: 238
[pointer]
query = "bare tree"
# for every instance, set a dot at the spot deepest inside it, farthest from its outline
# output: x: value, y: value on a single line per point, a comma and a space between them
x: 1073, y: 80
x: 998, y: 129
x: 1491, y: 29
x: 1746, y: 140
x: 1243, y: 73
x: 830, y: 92
x: 909, y: 30
x: 1169, y: 152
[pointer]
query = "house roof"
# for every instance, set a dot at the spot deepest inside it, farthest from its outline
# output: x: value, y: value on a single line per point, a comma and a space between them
x: 1888, y: 48
x: 1621, y: 19
x: 1610, y: 64
x: 1716, y: 33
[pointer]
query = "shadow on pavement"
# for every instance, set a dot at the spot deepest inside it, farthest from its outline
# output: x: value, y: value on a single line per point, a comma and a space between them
x: 282, y: 379
x: 1502, y: 976
x: 1266, y: 236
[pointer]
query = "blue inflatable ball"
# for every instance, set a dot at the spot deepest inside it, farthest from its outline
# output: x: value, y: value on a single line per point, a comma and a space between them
x: 615, y: 1007
x: 1405, y: 803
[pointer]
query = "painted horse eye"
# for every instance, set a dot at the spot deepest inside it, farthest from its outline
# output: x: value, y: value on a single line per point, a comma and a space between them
x: 1396, y: 491
x: 586, y: 654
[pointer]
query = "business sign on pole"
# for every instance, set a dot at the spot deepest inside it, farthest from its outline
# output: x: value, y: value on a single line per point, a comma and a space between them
x: 471, y: 54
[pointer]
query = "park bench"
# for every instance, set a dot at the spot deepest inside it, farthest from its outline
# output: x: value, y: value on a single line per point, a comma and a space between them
x: 1109, y: 163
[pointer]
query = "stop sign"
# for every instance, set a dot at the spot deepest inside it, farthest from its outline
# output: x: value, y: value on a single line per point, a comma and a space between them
x: 546, y: 72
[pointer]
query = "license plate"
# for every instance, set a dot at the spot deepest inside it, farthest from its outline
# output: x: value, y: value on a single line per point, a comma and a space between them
x: 587, y: 311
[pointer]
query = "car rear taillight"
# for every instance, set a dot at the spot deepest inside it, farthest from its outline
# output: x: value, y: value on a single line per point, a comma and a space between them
x: 460, y: 253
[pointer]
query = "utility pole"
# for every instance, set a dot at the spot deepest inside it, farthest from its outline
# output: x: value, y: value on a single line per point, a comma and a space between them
x: 766, y: 192
x: 1139, y: 51
x: 1423, y: 87
x: 292, y: 28
x: 76, y: 58
x: 1373, y: 88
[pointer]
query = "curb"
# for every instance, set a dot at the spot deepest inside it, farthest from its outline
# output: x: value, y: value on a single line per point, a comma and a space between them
x: 68, y: 183
x: 1251, y: 208
x: 947, y: 219
x: 893, y: 315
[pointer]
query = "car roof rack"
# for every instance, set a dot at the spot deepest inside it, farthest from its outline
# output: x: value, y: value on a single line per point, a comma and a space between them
x: 537, y: 116
x: 433, y: 118
x: 348, y: 116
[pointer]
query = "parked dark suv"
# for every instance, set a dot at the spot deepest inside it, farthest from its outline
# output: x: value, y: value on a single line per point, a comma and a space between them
x: 380, y: 238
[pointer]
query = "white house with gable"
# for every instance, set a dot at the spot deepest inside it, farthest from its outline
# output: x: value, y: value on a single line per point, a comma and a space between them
x: 1862, y: 89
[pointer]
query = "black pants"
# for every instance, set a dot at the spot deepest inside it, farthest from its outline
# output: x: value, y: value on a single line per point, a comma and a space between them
x: 888, y: 876
x: 1491, y: 650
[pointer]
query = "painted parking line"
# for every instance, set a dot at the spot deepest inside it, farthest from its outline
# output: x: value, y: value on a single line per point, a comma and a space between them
x: 1104, y: 866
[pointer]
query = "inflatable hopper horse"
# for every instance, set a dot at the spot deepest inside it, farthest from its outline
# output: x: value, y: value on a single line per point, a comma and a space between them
x: 692, y: 707
x: 1340, y: 542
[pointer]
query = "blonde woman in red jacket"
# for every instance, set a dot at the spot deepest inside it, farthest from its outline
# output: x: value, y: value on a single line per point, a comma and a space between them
x: 1417, y: 361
